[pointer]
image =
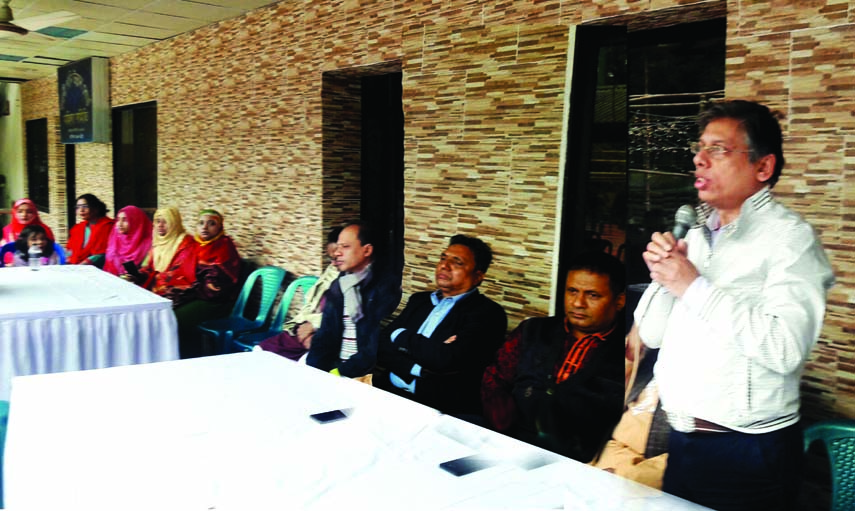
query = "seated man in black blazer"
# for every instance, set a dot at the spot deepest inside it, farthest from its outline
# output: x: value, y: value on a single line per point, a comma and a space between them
x: 436, y: 350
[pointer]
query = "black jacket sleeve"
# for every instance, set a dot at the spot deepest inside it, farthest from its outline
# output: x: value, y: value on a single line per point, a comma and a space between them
x: 451, y: 372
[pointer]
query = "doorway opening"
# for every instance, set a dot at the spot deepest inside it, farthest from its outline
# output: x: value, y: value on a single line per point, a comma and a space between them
x: 636, y: 95
x: 70, y: 185
x: 674, y: 74
x: 135, y: 156
x: 37, y: 163
x: 363, y: 154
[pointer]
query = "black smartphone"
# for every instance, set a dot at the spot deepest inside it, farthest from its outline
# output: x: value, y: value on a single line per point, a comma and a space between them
x: 131, y: 268
x: 330, y: 416
x: 467, y: 464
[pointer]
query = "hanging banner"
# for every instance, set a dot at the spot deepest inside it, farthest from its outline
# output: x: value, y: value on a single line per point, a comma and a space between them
x: 84, y: 94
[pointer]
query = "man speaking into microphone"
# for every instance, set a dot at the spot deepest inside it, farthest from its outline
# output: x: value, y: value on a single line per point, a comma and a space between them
x: 737, y: 306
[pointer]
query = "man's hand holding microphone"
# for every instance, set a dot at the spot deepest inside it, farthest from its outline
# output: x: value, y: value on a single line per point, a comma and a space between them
x: 666, y: 255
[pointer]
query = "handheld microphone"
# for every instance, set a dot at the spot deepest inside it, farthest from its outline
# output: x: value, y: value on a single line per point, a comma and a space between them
x: 684, y: 219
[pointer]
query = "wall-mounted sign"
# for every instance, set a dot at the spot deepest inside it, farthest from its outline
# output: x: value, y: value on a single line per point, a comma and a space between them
x: 84, y: 101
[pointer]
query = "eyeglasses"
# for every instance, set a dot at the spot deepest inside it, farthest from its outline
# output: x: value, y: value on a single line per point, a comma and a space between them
x: 81, y: 206
x: 716, y: 152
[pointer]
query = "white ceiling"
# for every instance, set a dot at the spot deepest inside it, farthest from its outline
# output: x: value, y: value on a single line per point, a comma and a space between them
x: 107, y: 28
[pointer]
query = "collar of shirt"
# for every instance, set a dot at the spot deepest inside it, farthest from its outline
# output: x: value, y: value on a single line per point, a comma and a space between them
x: 708, y: 216
x: 441, y: 308
x: 437, y: 297
x: 570, y: 338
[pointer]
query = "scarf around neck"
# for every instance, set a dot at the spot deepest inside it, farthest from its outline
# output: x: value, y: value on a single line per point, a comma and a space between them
x: 349, y: 283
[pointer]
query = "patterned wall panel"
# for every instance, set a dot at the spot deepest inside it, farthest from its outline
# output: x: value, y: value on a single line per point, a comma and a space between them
x: 483, y: 128
x: 39, y: 100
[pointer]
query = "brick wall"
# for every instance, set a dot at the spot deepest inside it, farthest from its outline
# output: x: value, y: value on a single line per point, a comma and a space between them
x: 38, y: 100
x: 241, y: 128
x: 802, y: 62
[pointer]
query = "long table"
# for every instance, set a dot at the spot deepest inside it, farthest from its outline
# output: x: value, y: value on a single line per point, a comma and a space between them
x: 235, y: 432
x: 66, y: 318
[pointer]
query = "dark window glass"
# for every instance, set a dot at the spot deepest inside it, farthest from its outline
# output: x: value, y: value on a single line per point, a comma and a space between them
x: 135, y: 156
x: 674, y: 73
x: 37, y: 164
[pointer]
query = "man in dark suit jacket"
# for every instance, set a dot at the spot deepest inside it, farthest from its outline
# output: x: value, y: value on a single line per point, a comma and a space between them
x: 436, y: 350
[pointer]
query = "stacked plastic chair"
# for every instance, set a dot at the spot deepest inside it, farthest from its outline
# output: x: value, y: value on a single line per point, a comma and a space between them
x: 248, y: 340
x: 226, y: 329
x: 839, y: 439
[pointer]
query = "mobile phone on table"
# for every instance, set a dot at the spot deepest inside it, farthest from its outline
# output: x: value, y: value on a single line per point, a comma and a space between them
x: 467, y: 464
x: 330, y: 416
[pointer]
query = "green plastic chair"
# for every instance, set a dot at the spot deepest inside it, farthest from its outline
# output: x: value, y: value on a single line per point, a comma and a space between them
x: 248, y: 340
x: 225, y: 329
x: 839, y: 439
x: 4, y: 416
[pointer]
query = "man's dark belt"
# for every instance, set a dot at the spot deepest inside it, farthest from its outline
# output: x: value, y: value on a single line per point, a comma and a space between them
x: 703, y: 426
x: 695, y: 425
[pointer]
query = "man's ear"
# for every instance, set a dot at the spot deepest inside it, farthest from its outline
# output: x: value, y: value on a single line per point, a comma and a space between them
x: 765, y: 168
x: 479, y: 277
x: 368, y: 250
x: 620, y: 301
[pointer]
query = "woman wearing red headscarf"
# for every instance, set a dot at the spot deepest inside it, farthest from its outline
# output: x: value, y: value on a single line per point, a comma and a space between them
x: 24, y: 213
x: 130, y: 241
x: 87, y: 241
x: 213, y: 293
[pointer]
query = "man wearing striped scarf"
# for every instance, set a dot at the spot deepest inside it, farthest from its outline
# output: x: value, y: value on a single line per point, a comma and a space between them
x: 362, y: 296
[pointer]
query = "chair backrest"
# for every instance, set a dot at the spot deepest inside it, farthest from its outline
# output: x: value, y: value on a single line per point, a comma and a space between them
x: 60, y: 252
x: 839, y: 439
x: 303, y: 284
x: 271, y: 278
x: 5, y: 249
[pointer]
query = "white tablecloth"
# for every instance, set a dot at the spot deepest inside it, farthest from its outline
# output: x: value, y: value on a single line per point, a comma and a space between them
x: 233, y: 433
x: 65, y: 318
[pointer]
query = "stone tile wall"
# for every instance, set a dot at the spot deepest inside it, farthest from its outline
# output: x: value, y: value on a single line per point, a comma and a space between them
x: 241, y: 129
x: 40, y: 100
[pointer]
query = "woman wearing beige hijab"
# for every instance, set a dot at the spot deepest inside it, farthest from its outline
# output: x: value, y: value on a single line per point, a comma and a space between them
x: 171, y: 268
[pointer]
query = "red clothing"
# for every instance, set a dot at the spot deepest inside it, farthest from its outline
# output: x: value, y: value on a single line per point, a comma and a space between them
x: 179, y: 276
x: 217, y: 264
x: 98, y: 237
x: 499, y: 406
x: 13, y: 230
